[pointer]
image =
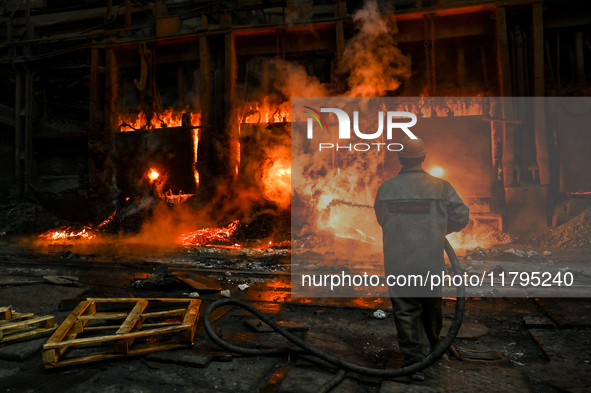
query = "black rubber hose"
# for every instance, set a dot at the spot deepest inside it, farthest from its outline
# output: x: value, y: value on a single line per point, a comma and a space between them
x: 331, y: 358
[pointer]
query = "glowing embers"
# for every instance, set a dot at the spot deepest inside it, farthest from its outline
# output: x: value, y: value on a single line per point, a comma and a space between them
x: 208, y: 236
x: 70, y: 233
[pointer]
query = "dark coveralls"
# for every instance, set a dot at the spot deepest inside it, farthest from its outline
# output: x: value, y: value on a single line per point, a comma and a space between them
x: 416, y: 211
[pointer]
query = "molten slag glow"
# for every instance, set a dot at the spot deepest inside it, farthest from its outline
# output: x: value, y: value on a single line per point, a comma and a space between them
x: 202, y: 237
x: 153, y: 174
x: 69, y: 233
x: 436, y: 171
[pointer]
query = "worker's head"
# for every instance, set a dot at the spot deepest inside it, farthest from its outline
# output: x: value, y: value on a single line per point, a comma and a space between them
x: 413, y: 152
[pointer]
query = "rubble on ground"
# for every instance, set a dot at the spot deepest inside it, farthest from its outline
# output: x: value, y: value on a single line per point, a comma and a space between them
x: 160, y: 278
x: 27, y: 218
x: 574, y: 233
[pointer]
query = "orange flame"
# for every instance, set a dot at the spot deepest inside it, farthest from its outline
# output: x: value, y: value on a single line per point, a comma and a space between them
x: 266, y: 112
x: 69, y: 233
x: 168, y: 118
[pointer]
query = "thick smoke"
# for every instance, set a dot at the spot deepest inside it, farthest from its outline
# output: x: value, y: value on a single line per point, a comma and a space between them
x: 374, y: 62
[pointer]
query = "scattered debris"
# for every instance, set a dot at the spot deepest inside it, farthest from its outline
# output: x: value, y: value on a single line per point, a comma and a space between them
x: 243, y: 286
x: 531, y: 254
x: 137, y: 324
x: 161, y: 277
x: 194, y: 295
x: 574, y: 233
x: 379, y: 314
x: 547, y: 253
x: 26, y: 218
x: 225, y: 293
x: 519, y: 253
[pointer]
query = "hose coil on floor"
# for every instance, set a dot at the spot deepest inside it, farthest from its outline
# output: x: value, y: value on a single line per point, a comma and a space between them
x: 330, y: 357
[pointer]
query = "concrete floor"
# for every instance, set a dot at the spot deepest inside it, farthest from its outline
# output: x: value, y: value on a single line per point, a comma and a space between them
x: 543, y: 343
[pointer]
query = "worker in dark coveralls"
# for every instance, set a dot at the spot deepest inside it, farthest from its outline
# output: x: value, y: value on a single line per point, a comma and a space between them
x: 416, y: 211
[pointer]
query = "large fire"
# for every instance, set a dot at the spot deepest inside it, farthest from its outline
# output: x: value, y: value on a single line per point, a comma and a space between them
x: 206, y: 236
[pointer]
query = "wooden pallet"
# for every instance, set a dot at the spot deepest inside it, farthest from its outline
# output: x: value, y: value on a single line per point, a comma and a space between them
x: 93, y: 331
x: 14, y: 325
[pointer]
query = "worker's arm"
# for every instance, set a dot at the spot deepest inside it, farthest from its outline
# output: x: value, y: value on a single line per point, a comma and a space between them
x: 458, y: 214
